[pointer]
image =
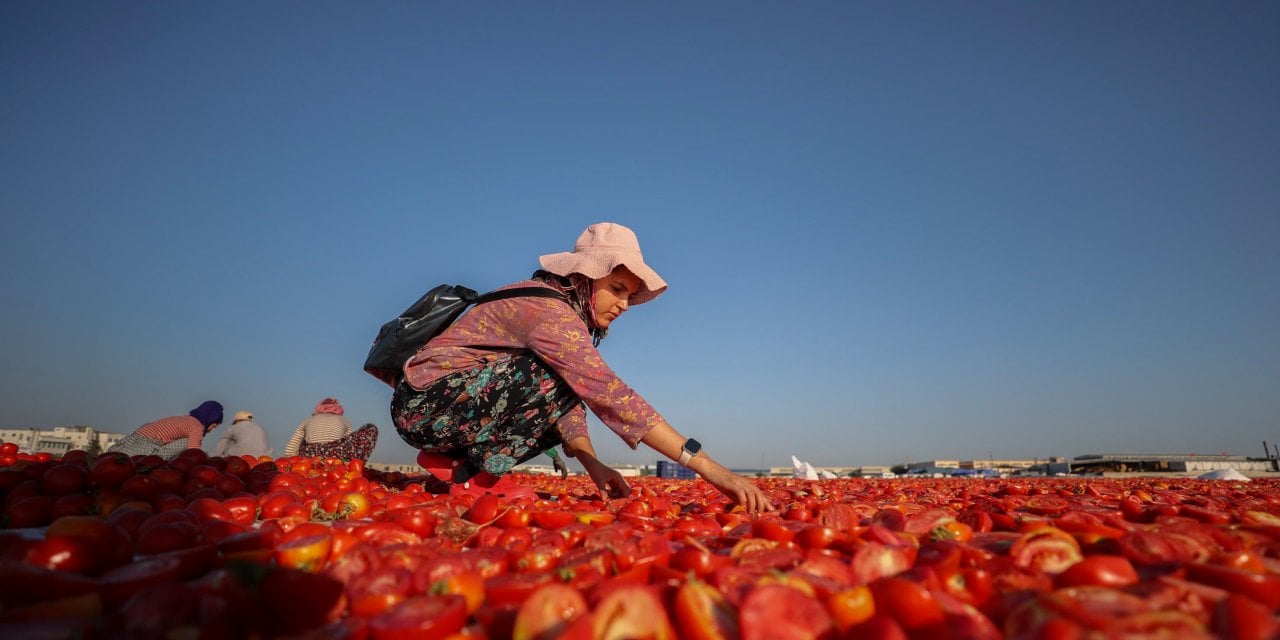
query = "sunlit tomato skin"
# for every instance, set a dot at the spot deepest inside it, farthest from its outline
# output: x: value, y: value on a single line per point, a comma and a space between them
x: 308, y: 553
x: 978, y: 521
x: 772, y: 529
x: 702, y: 613
x: 1242, y: 618
x: 514, y: 588
x: 1047, y: 549
x: 1150, y: 549
x: 354, y: 505
x: 1263, y: 588
x: 548, y: 612
x: 873, y: 561
x: 630, y: 611
x: 775, y: 611
x: 513, y: 518
x: 851, y: 607
x: 417, y: 520
x: 483, y: 510
x: 550, y: 519
x: 817, y: 537
x: 1099, y: 570
x: 907, y: 602
x: 420, y: 617
x: 698, y: 561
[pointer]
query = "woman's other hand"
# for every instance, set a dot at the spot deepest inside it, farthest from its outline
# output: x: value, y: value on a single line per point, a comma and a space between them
x: 739, y: 489
x: 609, y: 481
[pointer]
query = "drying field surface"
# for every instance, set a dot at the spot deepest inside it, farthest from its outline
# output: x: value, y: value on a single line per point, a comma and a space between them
x: 209, y: 548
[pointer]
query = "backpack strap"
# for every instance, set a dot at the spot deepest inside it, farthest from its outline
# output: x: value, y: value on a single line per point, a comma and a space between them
x: 531, y: 292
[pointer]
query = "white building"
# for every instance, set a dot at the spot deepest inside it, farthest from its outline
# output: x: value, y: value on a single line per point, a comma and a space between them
x: 59, y: 440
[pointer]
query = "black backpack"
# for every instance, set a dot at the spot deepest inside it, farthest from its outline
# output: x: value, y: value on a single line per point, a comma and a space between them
x: 402, y: 336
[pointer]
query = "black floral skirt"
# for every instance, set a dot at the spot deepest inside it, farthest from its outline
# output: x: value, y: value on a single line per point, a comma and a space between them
x: 357, y: 445
x: 495, y: 416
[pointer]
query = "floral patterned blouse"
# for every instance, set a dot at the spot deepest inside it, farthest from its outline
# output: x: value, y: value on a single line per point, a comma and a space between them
x: 556, y: 334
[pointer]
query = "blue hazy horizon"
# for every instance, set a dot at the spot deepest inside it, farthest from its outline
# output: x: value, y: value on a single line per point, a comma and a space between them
x: 892, y: 232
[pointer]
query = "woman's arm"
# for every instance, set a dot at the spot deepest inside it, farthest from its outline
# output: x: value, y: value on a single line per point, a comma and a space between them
x: 664, y: 439
x: 195, y: 434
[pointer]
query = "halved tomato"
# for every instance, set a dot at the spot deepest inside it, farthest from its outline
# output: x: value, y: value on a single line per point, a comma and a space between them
x: 703, y: 613
x: 782, y: 613
x: 420, y: 617
x: 548, y: 612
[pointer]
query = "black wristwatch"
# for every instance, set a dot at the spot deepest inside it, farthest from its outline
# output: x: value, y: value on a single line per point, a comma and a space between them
x: 690, y: 449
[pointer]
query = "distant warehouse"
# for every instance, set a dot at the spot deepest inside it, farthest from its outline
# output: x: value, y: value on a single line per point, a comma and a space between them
x: 1177, y: 463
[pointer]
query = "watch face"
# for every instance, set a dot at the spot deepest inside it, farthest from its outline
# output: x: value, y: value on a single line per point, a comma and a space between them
x: 692, y: 446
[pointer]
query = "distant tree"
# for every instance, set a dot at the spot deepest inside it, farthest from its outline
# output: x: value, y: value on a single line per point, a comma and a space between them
x: 898, y: 469
x: 95, y: 448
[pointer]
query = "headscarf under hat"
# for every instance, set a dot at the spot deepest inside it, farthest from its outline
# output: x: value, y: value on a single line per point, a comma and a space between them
x: 208, y: 413
x: 329, y: 405
x: 600, y: 249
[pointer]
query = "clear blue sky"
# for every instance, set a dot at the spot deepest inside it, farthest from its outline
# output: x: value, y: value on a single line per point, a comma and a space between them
x: 892, y: 231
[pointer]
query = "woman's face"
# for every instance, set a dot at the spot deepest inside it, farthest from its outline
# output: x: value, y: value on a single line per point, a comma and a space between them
x: 610, y: 295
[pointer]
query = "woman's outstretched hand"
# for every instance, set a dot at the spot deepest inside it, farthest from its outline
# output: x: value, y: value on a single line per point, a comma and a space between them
x: 609, y: 481
x: 739, y: 489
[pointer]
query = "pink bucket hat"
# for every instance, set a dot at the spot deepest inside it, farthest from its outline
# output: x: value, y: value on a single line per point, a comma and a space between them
x: 600, y: 249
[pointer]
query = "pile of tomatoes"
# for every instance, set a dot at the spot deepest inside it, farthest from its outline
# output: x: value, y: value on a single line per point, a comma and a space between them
x: 202, y: 547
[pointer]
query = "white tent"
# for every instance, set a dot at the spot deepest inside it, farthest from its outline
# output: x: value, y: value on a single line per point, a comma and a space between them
x: 1224, y: 474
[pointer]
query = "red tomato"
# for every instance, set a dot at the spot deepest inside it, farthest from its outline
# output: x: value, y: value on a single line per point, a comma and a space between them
x: 1240, y: 617
x: 553, y: 519
x: 298, y: 600
x: 511, y: 589
x: 873, y: 561
x: 779, y: 612
x: 373, y: 592
x: 769, y: 528
x: 851, y: 607
x: 483, y: 510
x: 907, y: 602
x: 307, y: 554
x: 354, y: 505
x: 63, y: 479
x: 1047, y: 549
x: 23, y: 584
x: 417, y: 520
x: 243, y: 509
x: 33, y: 511
x: 111, y: 470
x: 1263, y: 588
x: 420, y: 617
x: 698, y: 561
x: 631, y: 611
x: 121, y: 583
x: 1100, y: 570
x: 165, y: 537
x: 1149, y: 549
x: 548, y: 612
x: 817, y: 537
x: 702, y: 613
x: 469, y: 585
x: 878, y: 627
